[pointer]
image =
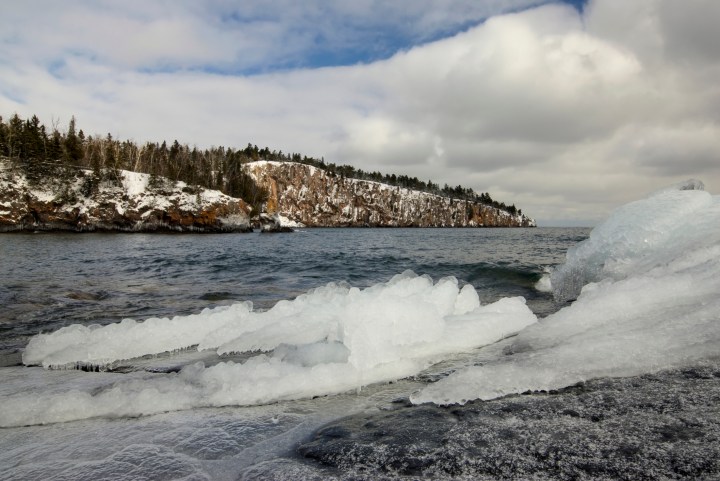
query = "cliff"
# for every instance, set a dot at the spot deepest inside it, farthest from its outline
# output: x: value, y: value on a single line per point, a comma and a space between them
x: 316, y: 198
x: 299, y: 195
x: 130, y: 205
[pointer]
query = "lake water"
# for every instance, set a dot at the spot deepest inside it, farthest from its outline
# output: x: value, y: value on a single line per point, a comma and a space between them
x: 54, y: 280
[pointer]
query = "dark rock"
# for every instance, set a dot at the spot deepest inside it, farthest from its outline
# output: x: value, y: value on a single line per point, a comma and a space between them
x: 660, y: 426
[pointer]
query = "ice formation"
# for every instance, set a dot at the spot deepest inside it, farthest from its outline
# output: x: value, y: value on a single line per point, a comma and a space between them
x: 637, y: 237
x: 330, y: 340
x: 648, y: 281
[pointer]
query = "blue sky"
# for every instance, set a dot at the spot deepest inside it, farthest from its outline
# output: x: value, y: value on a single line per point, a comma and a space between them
x: 384, y: 39
x: 567, y: 109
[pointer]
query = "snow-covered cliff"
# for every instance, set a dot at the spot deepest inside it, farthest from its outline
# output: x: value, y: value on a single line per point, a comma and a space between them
x: 316, y: 198
x: 131, y: 206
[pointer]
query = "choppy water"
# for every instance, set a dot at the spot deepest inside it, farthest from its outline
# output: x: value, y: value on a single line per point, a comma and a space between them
x: 54, y: 280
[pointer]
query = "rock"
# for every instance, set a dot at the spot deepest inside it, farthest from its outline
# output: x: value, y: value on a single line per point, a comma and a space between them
x: 272, y: 224
x: 316, y: 198
x: 299, y: 195
x: 131, y: 207
x: 659, y: 426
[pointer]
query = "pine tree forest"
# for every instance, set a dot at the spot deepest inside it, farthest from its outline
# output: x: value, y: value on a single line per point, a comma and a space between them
x: 62, y: 157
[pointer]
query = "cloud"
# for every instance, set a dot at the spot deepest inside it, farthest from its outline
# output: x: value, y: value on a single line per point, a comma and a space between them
x: 230, y: 36
x: 565, y: 114
x: 520, y: 77
x: 545, y: 104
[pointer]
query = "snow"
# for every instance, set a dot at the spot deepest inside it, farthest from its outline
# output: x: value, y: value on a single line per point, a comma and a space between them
x: 286, y: 222
x: 135, y: 183
x: 132, y: 198
x: 648, y: 281
x: 234, y: 220
x: 329, y: 340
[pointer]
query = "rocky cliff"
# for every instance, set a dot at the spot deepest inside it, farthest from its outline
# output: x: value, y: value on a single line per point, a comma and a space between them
x: 129, y: 205
x: 316, y: 198
x: 299, y: 195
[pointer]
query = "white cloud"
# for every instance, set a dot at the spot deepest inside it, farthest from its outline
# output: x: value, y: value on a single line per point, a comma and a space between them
x: 230, y: 36
x: 566, y: 116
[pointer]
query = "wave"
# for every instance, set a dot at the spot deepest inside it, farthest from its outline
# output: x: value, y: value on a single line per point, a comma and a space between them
x: 329, y: 340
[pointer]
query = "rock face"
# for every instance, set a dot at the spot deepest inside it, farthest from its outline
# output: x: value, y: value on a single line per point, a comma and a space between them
x: 131, y: 207
x: 316, y: 198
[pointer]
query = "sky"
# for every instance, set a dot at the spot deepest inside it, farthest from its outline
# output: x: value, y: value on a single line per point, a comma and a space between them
x: 567, y: 109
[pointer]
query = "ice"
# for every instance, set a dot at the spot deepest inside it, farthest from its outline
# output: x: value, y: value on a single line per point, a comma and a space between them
x: 635, y: 238
x: 128, y: 339
x: 332, y: 339
x: 313, y: 354
x: 650, y: 301
x: 135, y: 183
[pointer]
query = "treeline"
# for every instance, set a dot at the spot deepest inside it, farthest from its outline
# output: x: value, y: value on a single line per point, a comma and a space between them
x: 60, y: 157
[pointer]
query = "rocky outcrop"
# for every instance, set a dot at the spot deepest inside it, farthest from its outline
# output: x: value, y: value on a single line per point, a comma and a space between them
x: 272, y: 224
x: 132, y: 206
x: 316, y: 198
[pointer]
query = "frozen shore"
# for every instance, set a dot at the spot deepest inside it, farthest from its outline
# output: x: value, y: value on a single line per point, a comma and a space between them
x: 654, y: 426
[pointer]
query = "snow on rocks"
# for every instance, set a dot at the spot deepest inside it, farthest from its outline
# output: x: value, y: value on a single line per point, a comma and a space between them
x: 317, y: 198
x: 131, y: 206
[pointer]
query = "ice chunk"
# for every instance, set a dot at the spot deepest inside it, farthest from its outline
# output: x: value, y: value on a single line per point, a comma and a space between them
x: 657, y: 306
x: 636, y: 236
x: 129, y: 338
x: 330, y: 340
x: 467, y: 301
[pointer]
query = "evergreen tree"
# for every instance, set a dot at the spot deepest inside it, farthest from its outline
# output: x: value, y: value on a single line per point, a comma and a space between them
x: 73, y: 146
x: 14, y: 134
x: 3, y: 138
x: 111, y: 172
x: 27, y: 148
x: 33, y: 141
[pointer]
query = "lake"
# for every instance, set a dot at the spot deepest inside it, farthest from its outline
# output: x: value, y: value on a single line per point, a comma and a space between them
x: 55, y: 280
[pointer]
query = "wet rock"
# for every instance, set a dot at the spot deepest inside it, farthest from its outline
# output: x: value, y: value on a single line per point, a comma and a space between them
x: 660, y: 426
